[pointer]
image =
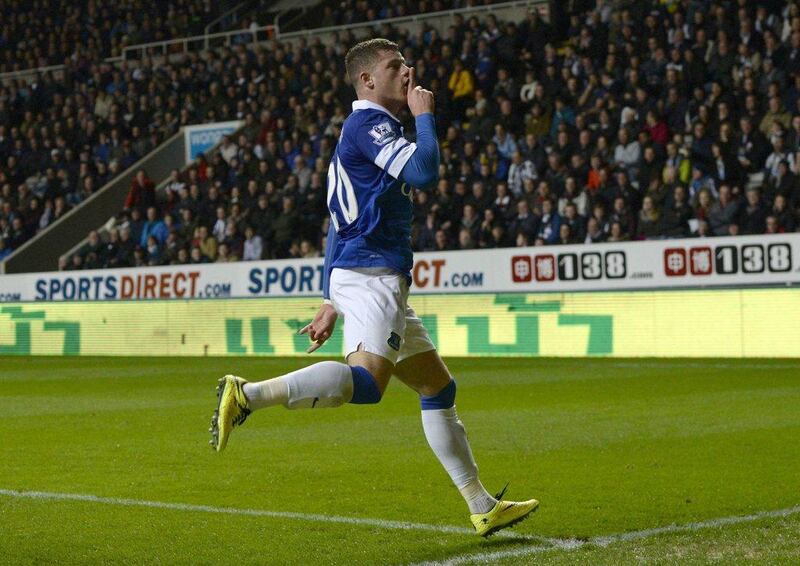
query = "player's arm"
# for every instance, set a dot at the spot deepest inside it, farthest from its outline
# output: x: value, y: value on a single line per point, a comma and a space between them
x: 422, y: 168
x: 321, y: 328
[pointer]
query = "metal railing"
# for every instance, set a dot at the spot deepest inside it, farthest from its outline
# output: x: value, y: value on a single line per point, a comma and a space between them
x: 12, y: 75
x: 541, y: 6
x: 200, y: 42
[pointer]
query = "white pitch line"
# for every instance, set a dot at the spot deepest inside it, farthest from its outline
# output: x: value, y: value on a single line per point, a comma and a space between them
x: 667, y: 364
x: 603, y: 541
x: 314, y: 517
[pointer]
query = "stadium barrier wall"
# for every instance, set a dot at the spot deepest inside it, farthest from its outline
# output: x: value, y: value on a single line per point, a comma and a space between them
x: 732, y: 323
x: 664, y: 264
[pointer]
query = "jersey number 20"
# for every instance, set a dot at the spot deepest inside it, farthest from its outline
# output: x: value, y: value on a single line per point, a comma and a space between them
x: 341, y: 197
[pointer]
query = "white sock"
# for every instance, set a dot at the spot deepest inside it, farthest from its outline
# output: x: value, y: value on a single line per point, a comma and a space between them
x: 266, y: 393
x: 322, y: 385
x: 476, y: 496
x: 448, y: 440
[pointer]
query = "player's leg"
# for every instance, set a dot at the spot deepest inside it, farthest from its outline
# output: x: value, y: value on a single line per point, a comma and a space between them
x: 321, y: 385
x: 427, y: 374
x: 423, y: 370
x: 373, y: 324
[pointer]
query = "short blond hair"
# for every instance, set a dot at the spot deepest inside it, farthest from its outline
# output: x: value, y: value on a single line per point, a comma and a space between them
x: 364, y: 55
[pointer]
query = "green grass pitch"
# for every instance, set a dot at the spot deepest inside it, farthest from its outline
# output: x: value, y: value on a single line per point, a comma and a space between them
x: 608, y: 447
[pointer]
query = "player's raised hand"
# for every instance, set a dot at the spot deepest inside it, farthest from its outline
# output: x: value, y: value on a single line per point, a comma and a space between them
x: 420, y: 101
x: 321, y: 328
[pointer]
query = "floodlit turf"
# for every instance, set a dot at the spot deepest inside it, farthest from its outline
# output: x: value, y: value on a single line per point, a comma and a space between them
x: 608, y: 446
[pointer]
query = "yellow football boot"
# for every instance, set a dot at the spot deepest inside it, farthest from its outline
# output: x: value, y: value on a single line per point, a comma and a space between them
x: 232, y: 410
x: 503, y: 514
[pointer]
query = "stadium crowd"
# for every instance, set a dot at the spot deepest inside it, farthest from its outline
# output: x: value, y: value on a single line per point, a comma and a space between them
x: 650, y: 120
x: 42, y: 33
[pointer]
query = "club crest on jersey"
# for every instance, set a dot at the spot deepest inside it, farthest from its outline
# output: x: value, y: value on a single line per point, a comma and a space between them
x: 394, y: 341
x: 382, y: 133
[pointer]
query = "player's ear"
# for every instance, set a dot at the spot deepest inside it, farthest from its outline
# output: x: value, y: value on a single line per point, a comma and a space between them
x: 366, y: 79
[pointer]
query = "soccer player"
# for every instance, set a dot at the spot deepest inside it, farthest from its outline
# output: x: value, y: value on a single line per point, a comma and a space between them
x: 368, y: 262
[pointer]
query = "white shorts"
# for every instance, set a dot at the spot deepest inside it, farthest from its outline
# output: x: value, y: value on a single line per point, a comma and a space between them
x: 377, y: 318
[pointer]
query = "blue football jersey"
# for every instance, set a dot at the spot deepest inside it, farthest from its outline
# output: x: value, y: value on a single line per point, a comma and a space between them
x: 370, y: 208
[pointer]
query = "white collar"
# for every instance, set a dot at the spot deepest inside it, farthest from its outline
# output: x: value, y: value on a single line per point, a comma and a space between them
x: 369, y: 105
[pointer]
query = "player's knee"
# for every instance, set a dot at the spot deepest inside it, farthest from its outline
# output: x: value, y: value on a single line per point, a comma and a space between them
x: 365, y: 387
x: 444, y: 399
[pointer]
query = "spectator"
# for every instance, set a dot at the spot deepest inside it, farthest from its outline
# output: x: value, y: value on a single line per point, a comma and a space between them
x: 462, y: 87
x: 142, y: 193
x: 525, y: 222
x: 723, y: 213
x: 196, y: 256
x: 627, y: 152
x: 253, y: 245
x: 784, y: 183
x: 783, y: 216
x: 594, y: 234
x: 575, y: 222
x: 442, y: 242
x: 153, y: 250
x: 153, y: 227
x: 224, y: 254
x: 778, y: 155
x: 549, y: 225
x: 285, y: 227
x: 465, y: 240
x: 752, y: 219
x: 471, y: 223
x: 775, y: 115
x: 675, y: 217
x: 704, y: 201
x: 617, y: 233
x: 307, y: 249
x: 565, y: 235
x: 206, y: 244
x: 726, y: 168
x: 648, y: 225
x: 751, y: 146
x: 218, y: 230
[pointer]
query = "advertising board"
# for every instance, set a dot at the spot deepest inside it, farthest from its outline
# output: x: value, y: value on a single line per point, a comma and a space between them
x: 203, y: 137
x: 682, y: 323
